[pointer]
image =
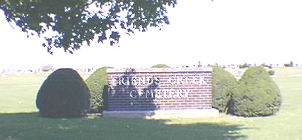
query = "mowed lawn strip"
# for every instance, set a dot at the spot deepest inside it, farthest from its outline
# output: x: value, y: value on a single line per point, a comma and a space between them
x: 18, y: 92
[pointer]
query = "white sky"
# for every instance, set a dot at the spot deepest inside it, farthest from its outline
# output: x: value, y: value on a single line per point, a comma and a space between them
x: 223, y: 31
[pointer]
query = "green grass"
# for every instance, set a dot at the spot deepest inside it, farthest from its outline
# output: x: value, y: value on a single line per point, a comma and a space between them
x: 18, y: 92
x: 18, y: 96
x: 31, y: 126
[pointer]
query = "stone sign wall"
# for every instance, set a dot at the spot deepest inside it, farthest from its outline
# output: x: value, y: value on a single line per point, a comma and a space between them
x: 159, y: 89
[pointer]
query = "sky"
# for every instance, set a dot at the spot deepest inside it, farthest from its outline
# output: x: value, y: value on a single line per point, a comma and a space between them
x: 222, y: 31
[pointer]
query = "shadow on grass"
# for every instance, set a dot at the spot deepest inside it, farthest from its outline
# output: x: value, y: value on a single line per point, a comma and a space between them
x: 30, y: 126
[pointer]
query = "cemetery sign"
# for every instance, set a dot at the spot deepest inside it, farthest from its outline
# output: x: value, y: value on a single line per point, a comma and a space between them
x: 159, y: 93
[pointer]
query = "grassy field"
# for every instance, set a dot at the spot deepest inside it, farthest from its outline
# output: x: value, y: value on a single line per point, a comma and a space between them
x: 19, y: 119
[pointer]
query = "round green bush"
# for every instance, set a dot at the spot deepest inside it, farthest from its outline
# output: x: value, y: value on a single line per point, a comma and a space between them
x: 223, y: 85
x: 63, y: 94
x: 160, y: 66
x: 271, y: 72
x: 96, y: 83
x: 257, y: 95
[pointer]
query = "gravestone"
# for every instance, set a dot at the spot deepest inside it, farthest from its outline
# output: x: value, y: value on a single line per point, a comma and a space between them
x: 159, y: 93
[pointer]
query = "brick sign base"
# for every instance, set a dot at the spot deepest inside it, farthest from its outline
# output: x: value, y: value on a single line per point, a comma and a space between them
x: 159, y: 93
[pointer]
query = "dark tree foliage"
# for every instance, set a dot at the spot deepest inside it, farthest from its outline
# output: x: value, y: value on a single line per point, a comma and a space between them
x: 63, y: 94
x: 74, y: 22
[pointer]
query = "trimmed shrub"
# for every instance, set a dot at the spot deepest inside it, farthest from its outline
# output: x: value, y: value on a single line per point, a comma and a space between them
x: 257, y: 95
x: 223, y: 85
x: 271, y: 72
x: 63, y: 94
x: 96, y: 83
x: 160, y: 66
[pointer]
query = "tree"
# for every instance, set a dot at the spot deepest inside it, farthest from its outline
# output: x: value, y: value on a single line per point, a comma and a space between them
x: 68, y: 24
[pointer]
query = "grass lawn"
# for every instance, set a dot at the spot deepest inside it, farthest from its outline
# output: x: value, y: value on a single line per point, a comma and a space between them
x: 19, y: 119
